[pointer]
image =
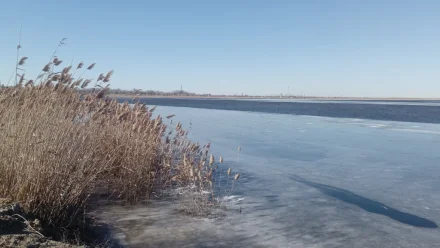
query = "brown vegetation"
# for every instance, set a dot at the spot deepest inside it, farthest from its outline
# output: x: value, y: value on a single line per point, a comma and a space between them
x: 59, y: 147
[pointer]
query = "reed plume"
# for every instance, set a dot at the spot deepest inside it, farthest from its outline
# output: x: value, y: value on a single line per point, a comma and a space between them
x: 91, y: 66
x: 22, y: 61
x: 108, y: 76
x: 237, y: 176
x: 46, y: 68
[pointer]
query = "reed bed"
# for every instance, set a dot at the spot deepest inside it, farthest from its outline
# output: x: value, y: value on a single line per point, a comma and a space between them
x: 59, y: 147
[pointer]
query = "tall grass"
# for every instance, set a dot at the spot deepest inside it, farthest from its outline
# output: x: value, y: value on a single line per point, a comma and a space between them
x: 58, y: 147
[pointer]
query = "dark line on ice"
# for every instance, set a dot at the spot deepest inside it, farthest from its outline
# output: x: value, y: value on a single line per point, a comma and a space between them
x: 368, y: 205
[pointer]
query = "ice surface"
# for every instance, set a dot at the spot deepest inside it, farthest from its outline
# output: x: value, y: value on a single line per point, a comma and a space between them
x: 306, y: 182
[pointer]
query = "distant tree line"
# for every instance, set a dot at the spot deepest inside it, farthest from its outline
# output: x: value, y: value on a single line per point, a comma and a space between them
x: 151, y: 92
x: 140, y: 92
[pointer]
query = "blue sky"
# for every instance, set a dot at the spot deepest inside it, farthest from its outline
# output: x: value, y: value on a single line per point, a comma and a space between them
x: 378, y: 48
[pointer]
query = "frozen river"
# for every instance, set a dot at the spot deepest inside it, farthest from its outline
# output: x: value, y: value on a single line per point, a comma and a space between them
x: 307, y: 181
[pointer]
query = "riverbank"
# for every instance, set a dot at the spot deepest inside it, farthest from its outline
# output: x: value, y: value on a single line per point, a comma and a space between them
x: 21, y: 229
x: 17, y: 230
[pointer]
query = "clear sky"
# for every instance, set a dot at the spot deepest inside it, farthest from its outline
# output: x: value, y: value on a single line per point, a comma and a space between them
x: 379, y: 48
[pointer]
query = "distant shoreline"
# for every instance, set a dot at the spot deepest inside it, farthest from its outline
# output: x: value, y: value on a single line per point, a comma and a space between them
x: 273, y: 97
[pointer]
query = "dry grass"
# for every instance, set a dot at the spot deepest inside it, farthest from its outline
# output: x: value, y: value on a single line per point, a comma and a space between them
x: 207, y: 185
x: 58, y: 147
